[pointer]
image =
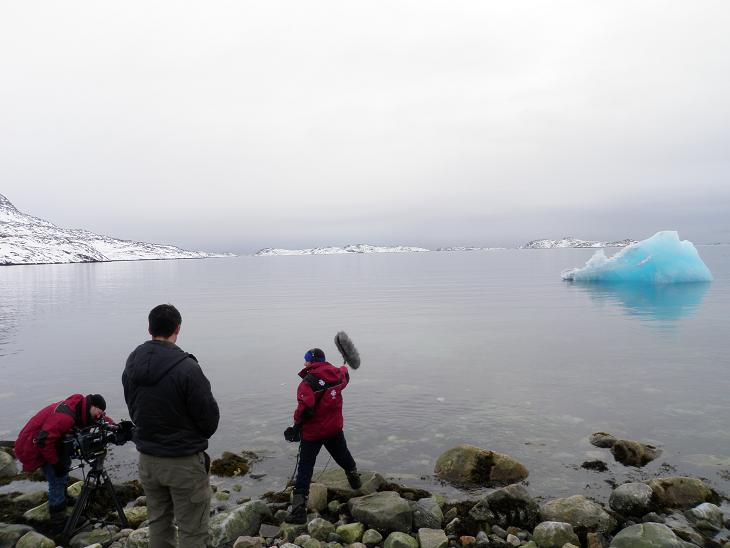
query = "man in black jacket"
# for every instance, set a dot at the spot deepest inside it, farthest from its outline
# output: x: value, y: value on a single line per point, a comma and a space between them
x: 170, y: 401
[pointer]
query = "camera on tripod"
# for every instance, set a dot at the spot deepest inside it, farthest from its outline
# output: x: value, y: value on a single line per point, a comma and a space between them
x: 90, y: 446
x: 91, y: 443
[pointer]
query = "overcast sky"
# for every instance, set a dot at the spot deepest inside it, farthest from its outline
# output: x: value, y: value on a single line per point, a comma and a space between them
x: 240, y: 125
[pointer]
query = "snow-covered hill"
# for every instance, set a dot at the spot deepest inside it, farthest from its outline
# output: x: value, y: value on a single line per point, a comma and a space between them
x: 356, y: 248
x: 573, y: 242
x: 25, y: 239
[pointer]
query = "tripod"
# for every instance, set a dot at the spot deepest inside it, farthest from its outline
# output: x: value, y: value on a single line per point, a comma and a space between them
x: 96, y: 480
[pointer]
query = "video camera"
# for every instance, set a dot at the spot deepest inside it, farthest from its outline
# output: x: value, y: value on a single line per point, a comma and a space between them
x: 90, y: 443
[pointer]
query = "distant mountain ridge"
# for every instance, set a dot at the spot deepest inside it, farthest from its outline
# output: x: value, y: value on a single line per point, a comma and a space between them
x: 333, y: 250
x: 569, y: 241
x: 25, y: 239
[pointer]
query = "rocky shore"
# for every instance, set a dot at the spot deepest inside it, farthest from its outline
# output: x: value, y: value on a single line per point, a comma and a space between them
x: 673, y: 511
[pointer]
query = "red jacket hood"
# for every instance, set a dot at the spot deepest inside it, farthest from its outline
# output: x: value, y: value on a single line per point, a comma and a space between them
x: 322, y: 370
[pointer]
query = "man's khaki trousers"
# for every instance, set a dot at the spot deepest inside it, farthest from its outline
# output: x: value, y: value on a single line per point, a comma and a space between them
x: 179, y: 488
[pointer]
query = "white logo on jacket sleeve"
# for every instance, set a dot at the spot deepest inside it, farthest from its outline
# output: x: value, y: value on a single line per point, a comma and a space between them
x: 333, y: 393
x: 321, y: 382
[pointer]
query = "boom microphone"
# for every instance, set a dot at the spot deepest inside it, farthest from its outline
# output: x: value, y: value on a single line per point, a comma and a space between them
x: 347, y: 349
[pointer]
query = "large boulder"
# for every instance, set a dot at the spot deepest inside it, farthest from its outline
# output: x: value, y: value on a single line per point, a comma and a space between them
x: 34, y: 540
x: 432, y: 538
x: 681, y: 492
x: 10, y: 533
x: 603, y: 440
x: 554, y: 534
x: 632, y: 499
x: 634, y: 453
x: 338, y: 486
x: 136, y: 515
x: 470, y: 465
x: 139, y: 538
x: 706, y: 516
x: 427, y: 514
x: 8, y: 467
x: 242, y: 521
x: 385, y: 511
x: 400, y: 540
x: 101, y: 536
x: 511, y: 505
x: 581, y: 513
x: 320, y: 528
x: 647, y: 535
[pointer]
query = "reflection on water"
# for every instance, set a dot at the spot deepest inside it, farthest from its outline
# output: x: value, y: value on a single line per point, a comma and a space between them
x: 664, y: 302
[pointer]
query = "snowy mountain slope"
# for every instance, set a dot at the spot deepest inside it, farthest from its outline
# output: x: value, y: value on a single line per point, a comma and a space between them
x: 356, y: 248
x: 25, y: 239
x: 573, y: 242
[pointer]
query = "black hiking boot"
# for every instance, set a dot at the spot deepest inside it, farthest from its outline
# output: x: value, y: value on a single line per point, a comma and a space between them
x: 353, y: 478
x: 298, y: 514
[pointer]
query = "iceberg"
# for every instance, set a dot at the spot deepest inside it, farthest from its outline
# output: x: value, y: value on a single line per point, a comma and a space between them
x: 661, y: 259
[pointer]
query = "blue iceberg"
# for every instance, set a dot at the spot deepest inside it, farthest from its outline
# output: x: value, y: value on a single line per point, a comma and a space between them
x: 661, y: 259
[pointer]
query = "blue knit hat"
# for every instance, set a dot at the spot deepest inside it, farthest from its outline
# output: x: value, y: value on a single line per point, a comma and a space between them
x: 314, y: 355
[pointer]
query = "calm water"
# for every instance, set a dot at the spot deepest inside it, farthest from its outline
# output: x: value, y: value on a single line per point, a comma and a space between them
x: 488, y: 348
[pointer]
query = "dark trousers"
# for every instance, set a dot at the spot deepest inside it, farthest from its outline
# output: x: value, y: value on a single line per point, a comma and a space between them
x: 308, y: 451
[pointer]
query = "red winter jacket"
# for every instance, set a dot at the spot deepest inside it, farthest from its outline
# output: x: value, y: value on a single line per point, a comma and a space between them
x: 320, y: 412
x: 37, y: 441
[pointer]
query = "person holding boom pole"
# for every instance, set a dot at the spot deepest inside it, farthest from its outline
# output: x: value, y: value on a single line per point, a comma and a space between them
x: 318, y: 420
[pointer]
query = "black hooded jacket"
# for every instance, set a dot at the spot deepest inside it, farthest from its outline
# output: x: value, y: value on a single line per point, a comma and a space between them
x: 170, y: 401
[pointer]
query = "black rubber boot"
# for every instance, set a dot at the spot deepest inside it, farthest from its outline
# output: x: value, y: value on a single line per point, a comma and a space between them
x: 353, y: 478
x: 298, y: 512
x: 58, y: 517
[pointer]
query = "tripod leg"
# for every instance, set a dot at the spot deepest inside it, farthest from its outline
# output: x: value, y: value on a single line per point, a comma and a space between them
x: 122, y: 517
x: 79, y: 509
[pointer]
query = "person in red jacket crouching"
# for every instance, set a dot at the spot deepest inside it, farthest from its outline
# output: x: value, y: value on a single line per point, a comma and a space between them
x: 319, y: 418
x: 39, y: 444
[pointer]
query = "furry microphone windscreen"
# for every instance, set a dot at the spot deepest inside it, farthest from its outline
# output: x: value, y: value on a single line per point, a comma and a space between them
x: 347, y: 349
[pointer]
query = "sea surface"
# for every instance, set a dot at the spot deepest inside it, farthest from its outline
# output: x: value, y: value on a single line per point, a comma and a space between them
x: 489, y: 348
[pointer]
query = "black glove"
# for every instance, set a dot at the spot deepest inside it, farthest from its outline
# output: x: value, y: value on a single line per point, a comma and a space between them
x: 293, y: 433
x: 60, y: 469
x: 124, y: 432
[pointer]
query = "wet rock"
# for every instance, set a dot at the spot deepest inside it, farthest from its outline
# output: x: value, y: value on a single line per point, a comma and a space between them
x: 602, y: 440
x: 74, y: 490
x: 631, y: 499
x: 467, y: 540
x: 8, y: 466
x: 371, y: 537
x: 334, y: 537
x: 351, y: 532
x: 139, y: 538
x: 301, y: 539
x: 136, y: 515
x: 248, y: 542
x: 681, y: 492
x: 511, y: 505
x: 33, y: 499
x: 453, y: 527
x: 646, y: 535
x: 482, y: 539
x: 140, y: 501
x: 706, y: 516
x: 334, y: 506
x: 38, y: 514
x: 580, y: 512
x: 501, y: 533
x: 432, y: 538
x: 11, y: 533
x: 596, y: 540
x: 653, y: 517
x: 512, y: 540
x: 427, y: 514
x: 320, y: 528
x: 269, y: 531
x: 244, y: 520
x: 311, y: 543
x: 317, y: 501
x: 554, y: 534
x: 681, y: 527
x: 230, y: 464
x: 35, y: 540
x: 290, y: 531
x: 467, y: 464
x: 385, y: 511
x: 338, y: 486
x: 102, y: 536
x: 400, y: 540
x: 595, y: 465
x: 634, y: 453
